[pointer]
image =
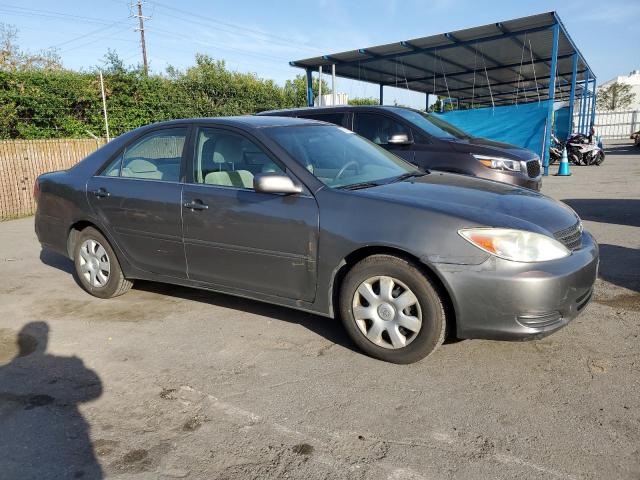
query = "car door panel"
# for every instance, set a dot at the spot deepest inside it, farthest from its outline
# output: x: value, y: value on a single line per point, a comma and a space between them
x: 138, y: 199
x: 244, y: 239
x: 144, y: 219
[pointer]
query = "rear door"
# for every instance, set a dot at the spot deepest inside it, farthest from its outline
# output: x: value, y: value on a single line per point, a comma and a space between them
x: 137, y: 198
x: 237, y: 237
x: 378, y: 128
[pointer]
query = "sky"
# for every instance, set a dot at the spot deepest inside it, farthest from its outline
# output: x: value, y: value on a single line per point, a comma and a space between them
x: 263, y: 36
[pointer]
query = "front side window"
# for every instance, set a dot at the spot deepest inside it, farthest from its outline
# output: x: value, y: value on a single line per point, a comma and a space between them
x: 227, y: 159
x: 432, y: 124
x: 379, y: 128
x: 338, y: 157
x: 155, y: 156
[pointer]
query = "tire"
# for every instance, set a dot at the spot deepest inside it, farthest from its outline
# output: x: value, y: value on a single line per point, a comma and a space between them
x: 599, y: 159
x: 357, y: 313
x: 92, y: 254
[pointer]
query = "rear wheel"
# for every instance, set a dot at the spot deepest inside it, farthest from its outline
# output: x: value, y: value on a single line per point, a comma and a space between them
x: 97, y: 266
x: 391, y: 310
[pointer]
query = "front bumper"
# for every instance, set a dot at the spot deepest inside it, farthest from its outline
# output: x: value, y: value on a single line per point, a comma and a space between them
x: 515, y: 178
x: 505, y: 300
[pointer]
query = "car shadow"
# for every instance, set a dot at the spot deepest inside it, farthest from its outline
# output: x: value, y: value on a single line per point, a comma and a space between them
x: 620, y: 266
x: 624, y: 211
x: 329, y: 328
x: 622, y: 149
x: 44, y: 435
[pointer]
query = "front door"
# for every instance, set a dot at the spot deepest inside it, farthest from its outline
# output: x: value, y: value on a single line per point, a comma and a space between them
x: 137, y: 198
x: 379, y: 128
x: 236, y: 237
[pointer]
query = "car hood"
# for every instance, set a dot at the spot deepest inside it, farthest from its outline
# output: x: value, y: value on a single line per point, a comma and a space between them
x: 478, y: 202
x: 484, y: 146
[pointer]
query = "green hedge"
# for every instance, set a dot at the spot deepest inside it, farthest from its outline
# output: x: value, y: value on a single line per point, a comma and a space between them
x: 44, y: 104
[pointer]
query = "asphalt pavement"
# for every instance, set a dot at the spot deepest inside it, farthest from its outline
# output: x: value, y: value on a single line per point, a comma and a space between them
x: 170, y: 382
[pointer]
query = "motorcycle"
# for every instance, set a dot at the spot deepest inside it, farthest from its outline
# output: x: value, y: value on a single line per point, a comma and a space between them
x: 555, y: 150
x: 582, y: 150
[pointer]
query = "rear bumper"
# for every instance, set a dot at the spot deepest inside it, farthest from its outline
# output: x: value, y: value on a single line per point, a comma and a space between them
x: 505, y: 300
x: 52, y: 233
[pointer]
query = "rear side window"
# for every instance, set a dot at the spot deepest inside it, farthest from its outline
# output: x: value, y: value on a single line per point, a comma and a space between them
x: 335, y: 118
x: 379, y: 128
x: 155, y: 156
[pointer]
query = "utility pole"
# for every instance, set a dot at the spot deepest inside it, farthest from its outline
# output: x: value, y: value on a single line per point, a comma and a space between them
x: 141, y: 18
x: 104, y: 107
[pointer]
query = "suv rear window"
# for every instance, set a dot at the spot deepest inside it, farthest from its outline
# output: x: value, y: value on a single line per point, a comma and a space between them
x: 335, y: 118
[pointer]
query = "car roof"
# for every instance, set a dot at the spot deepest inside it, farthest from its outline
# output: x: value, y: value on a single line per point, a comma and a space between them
x: 328, y: 109
x: 246, y: 121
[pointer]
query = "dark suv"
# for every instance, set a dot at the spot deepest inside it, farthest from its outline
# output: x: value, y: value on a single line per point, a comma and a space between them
x: 431, y: 143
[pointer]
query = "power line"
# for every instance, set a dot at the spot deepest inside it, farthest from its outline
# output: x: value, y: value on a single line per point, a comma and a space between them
x: 201, y: 19
x: 12, y: 9
x: 219, y: 45
x: 110, y: 36
x: 88, y: 34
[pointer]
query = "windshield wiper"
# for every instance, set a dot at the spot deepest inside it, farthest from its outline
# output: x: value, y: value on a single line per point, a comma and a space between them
x: 406, y: 176
x: 358, y: 186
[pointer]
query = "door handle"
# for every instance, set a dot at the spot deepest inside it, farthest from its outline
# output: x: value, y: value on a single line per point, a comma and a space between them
x: 101, y: 193
x: 196, y: 205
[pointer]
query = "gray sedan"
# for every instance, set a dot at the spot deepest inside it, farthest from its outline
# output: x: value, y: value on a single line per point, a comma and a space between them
x: 311, y: 216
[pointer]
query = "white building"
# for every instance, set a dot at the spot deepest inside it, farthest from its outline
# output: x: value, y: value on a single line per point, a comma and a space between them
x: 632, y: 79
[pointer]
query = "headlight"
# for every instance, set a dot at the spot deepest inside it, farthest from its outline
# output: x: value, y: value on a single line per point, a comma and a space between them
x: 499, y: 163
x: 515, y: 245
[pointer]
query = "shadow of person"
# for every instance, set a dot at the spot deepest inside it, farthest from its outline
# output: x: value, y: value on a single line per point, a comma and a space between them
x: 42, y: 433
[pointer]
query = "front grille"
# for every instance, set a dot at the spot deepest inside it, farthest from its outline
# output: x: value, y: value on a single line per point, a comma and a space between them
x: 533, y: 168
x: 570, y: 237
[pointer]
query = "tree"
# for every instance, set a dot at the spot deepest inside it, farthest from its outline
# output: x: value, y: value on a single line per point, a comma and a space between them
x: 364, y: 101
x: 12, y: 59
x: 296, y: 90
x: 616, y: 96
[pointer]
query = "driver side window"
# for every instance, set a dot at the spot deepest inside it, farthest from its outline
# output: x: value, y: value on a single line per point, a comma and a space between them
x: 378, y: 128
x: 227, y: 159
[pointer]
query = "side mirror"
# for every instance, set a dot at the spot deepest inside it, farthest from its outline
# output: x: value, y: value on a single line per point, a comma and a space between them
x: 275, y: 183
x: 399, y: 139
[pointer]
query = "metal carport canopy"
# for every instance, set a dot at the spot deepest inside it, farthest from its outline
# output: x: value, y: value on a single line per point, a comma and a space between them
x: 498, y: 63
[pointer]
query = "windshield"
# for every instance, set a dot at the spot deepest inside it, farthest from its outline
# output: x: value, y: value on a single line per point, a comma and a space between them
x: 338, y: 157
x: 432, y: 124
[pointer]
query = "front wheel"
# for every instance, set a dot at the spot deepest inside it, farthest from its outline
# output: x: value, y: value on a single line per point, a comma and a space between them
x: 97, y: 266
x: 599, y: 159
x: 391, y: 310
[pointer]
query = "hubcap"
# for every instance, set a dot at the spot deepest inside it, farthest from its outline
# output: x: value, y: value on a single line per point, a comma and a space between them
x: 94, y: 263
x: 387, y: 312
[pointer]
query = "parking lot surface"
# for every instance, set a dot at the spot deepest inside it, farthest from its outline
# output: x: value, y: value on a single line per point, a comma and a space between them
x: 169, y: 382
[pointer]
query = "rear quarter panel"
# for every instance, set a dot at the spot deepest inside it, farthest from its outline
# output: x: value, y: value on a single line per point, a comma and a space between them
x: 62, y: 202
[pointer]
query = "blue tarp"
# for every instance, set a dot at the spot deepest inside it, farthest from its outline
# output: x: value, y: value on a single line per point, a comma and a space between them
x: 522, y: 125
x: 561, y: 123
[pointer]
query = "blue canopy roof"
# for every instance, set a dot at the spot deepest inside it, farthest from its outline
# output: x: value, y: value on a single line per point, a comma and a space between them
x: 498, y: 63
